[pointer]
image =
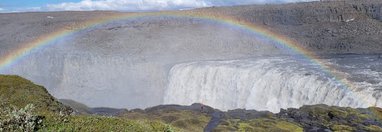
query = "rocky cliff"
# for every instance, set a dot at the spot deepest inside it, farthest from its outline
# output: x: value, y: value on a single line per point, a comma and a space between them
x: 139, y: 53
x: 350, y: 26
x: 136, y: 55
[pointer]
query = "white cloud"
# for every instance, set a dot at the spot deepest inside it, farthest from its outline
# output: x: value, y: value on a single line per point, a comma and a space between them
x: 1, y: 9
x: 141, y: 5
x: 242, y: 2
x: 128, y: 5
x: 33, y: 9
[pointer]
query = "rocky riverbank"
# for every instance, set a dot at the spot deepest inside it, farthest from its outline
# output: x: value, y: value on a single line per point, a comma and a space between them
x: 17, y: 92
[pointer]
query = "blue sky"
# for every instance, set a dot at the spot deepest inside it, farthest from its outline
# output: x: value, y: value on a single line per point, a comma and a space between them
x: 124, y: 5
x: 24, y: 4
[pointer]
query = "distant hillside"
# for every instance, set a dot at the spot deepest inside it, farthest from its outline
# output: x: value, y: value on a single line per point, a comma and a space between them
x: 346, y: 26
x: 82, y: 109
x: 349, y: 26
x: 78, y: 108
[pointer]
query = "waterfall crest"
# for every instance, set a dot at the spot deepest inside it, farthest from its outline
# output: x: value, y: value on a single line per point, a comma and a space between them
x: 261, y: 84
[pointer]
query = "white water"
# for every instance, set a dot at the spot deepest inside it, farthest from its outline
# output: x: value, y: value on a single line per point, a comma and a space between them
x: 127, y: 64
x: 261, y: 84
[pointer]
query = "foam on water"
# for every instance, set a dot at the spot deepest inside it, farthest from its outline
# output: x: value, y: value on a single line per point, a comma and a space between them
x: 261, y: 84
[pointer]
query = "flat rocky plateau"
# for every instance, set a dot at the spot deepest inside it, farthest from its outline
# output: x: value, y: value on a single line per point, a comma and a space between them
x: 335, y: 27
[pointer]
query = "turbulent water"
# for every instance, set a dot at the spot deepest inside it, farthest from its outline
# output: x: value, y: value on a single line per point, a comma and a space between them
x: 261, y: 83
x: 126, y: 63
x: 138, y: 64
x: 275, y: 82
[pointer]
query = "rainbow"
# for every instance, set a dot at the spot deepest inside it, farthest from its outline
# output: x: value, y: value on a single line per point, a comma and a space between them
x: 44, y: 40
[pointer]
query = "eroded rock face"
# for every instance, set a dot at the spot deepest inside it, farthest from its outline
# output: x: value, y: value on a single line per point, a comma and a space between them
x: 137, y: 54
x: 350, y: 26
x: 306, y: 118
x: 333, y: 118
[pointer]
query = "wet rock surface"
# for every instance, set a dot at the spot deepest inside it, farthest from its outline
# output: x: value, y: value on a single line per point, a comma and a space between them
x: 199, y: 117
x: 307, y: 118
x: 322, y: 117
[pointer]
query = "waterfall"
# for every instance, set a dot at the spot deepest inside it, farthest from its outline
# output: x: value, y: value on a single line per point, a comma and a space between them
x: 260, y: 84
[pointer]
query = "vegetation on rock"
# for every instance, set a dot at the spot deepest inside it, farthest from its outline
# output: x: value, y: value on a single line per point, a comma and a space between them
x: 19, y: 120
x: 28, y: 107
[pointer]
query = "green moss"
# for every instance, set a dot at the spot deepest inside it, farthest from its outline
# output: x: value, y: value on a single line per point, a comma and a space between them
x: 19, y: 92
x: 224, y: 129
x: 244, y: 127
x: 342, y: 128
x: 377, y: 112
x: 330, y: 115
x: 184, y: 119
x: 287, y: 126
x: 227, y: 125
x: 373, y: 128
x: 98, y: 123
x: 261, y: 125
